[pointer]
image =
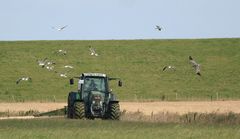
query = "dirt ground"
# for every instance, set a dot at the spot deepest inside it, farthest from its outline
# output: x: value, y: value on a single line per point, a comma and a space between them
x: 147, y: 108
x: 182, y: 107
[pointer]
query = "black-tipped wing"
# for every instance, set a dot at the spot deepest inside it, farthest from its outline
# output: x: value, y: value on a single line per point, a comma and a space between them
x: 18, y: 80
x: 190, y: 58
x: 158, y: 28
x: 193, y: 62
x: 164, y: 68
x: 199, y: 73
x: 30, y: 79
x: 63, y: 27
x: 197, y: 69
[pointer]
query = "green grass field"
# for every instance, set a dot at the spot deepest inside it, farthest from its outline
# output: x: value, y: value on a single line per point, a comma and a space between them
x: 64, y: 128
x: 138, y: 62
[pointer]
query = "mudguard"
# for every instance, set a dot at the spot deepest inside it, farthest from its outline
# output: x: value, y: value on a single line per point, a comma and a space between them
x: 113, y: 98
x: 73, y: 97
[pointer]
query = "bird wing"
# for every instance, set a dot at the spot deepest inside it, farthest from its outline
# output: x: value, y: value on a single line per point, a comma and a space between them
x: 194, y: 63
x: 159, y: 28
x: 42, y: 62
x: 190, y: 58
x: 63, y: 75
x: 45, y: 59
x: 63, y: 27
x: 197, y: 68
x: 199, y: 73
x: 18, y: 80
x: 164, y: 68
x: 29, y: 79
x: 92, y: 50
x: 172, y: 67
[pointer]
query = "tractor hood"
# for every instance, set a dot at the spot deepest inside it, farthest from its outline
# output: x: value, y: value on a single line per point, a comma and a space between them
x: 96, y: 103
x: 96, y: 95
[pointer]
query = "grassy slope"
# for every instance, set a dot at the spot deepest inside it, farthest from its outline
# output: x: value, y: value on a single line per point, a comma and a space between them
x: 138, y: 62
x: 62, y: 128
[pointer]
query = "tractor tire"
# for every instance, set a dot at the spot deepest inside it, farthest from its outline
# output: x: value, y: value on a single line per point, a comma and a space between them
x: 71, y: 100
x: 78, y: 110
x: 70, y: 112
x: 114, y: 111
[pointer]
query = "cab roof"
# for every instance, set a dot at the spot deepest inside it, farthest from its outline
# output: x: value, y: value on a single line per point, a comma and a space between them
x: 95, y: 74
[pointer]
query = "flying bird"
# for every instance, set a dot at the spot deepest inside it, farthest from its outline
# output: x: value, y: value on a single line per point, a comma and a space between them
x: 61, y: 28
x: 46, y: 64
x: 23, y: 79
x: 61, y: 52
x: 68, y: 66
x: 169, y: 67
x: 64, y: 75
x: 195, y: 65
x: 158, y: 28
x: 92, y: 51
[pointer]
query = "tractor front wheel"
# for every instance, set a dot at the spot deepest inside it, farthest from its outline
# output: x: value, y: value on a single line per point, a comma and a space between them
x: 79, y: 110
x: 114, y: 111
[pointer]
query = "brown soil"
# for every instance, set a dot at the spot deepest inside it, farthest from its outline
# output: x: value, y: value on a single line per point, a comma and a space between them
x: 41, y: 107
x: 147, y: 108
x: 182, y: 107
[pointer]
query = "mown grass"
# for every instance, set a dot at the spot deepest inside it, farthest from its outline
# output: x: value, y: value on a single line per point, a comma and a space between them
x: 65, y: 128
x: 229, y: 118
x: 138, y: 62
x: 19, y: 113
x: 188, y: 118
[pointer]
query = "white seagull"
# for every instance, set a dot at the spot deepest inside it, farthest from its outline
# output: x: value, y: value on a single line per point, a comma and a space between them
x: 158, y: 28
x: 195, y: 65
x: 23, y: 79
x: 68, y: 66
x: 169, y: 67
x: 92, y: 51
x: 62, y: 52
x: 61, y: 28
x: 64, y: 75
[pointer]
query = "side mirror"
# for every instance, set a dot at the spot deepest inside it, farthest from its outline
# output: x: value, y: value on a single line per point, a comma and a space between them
x: 120, y: 83
x: 71, y: 81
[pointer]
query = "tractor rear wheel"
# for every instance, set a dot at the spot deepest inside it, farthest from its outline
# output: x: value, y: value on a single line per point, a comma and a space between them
x: 114, y: 111
x: 79, y: 110
x: 69, y: 112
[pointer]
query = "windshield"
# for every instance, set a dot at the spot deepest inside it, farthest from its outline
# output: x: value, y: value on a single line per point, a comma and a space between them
x: 94, y: 84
